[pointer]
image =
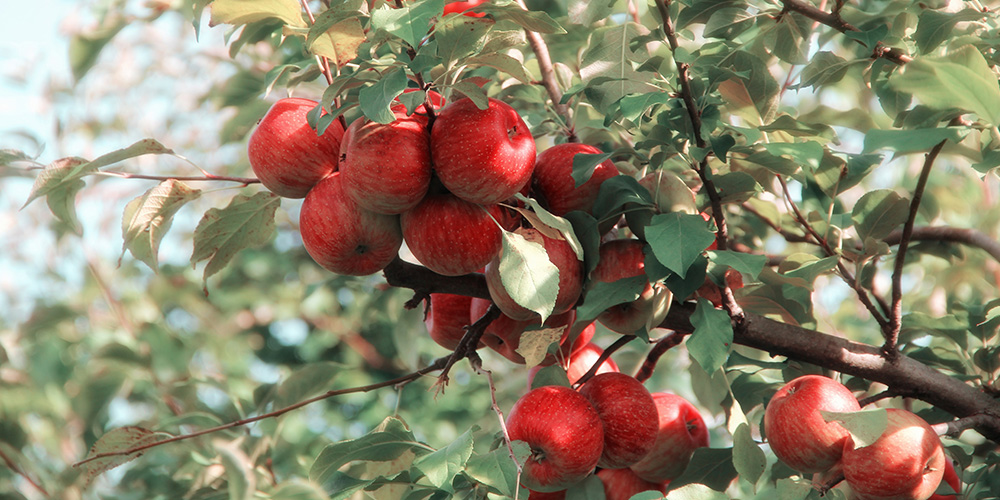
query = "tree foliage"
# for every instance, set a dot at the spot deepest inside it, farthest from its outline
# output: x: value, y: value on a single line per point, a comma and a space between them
x: 844, y: 157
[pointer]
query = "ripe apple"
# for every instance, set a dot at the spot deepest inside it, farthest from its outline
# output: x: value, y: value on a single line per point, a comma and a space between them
x: 447, y: 317
x: 906, y: 463
x: 621, y: 484
x: 950, y: 477
x: 437, y: 101
x: 386, y: 167
x: 462, y: 7
x: 482, y: 155
x: 564, y: 432
x: 539, y: 495
x: 681, y: 431
x: 629, y: 416
x: 286, y: 154
x: 452, y: 236
x: 581, y: 361
x: 503, y: 335
x: 343, y: 237
x: 621, y: 259
x: 552, y: 181
x: 796, y: 430
x: 561, y: 255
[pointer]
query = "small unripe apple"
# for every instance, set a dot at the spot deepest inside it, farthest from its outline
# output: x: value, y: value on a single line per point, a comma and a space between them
x: 561, y: 255
x: 483, y: 156
x: 552, y: 181
x: 286, y: 154
x: 906, y: 463
x: 343, y: 237
x: 629, y: 416
x: 386, y: 167
x: 681, y: 431
x: 622, y: 484
x: 565, y: 435
x: 452, y: 236
x: 796, y: 430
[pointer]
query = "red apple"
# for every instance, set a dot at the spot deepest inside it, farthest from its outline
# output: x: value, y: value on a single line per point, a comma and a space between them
x: 343, y: 237
x: 950, y: 477
x: 796, y: 430
x: 503, y: 335
x: 552, y: 181
x: 447, y: 317
x: 437, y: 101
x: 462, y: 7
x: 286, y: 154
x: 621, y: 484
x: 906, y: 463
x: 482, y: 155
x: 386, y: 167
x: 561, y: 255
x: 452, y: 236
x: 682, y: 430
x: 539, y: 495
x: 621, y: 259
x: 565, y: 435
x: 580, y: 341
x: 580, y: 362
x: 629, y: 416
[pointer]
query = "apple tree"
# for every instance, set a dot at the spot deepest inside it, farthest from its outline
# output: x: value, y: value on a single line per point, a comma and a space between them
x: 509, y: 249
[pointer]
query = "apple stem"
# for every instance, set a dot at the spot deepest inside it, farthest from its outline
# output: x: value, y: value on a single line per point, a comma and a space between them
x: 829, y: 485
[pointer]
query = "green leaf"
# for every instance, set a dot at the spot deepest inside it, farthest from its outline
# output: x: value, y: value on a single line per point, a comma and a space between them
x: 389, y: 442
x: 736, y: 187
x: 935, y: 27
x: 551, y: 225
x: 712, y: 467
x: 776, y: 164
x: 911, y: 141
x: 339, y: 42
x: 247, y: 221
x: 826, y: 68
x: 729, y: 22
x: 85, y: 48
x: 148, y: 217
x: 696, y: 491
x: 441, y: 466
x: 878, y: 213
x: 460, y: 36
x: 607, y: 65
x: 584, y: 165
x: 409, y: 22
x: 504, y: 63
x: 528, y: 275
x: 865, y: 426
x: 588, y: 12
x: 305, y: 382
x: 635, y: 105
x: 497, y: 470
x: 603, y: 295
x: 472, y: 91
x: 791, y: 37
x: 618, y: 192
x: 550, y: 375
x: 805, y: 154
x: 239, y: 12
x: 748, y: 459
x: 531, y: 20
x: 712, y: 338
x: 377, y: 99
x: 684, y: 287
x: 794, y: 127
x: 700, y: 11
x: 745, y: 263
x: 118, y: 440
x: 960, y: 79
x: 678, y: 239
x: 869, y: 38
x: 240, y: 481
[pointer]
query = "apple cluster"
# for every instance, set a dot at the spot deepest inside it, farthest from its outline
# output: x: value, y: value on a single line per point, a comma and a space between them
x: 906, y: 462
x: 611, y: 426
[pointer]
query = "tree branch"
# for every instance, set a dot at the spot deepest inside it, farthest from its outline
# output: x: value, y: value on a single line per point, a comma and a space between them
x: 896, y: 311
x: 673, y: 339
x: 971, y: 237
x: 835, y: 21
x: 246, y: 181
x: 618, y: 344
x: 548, y: 72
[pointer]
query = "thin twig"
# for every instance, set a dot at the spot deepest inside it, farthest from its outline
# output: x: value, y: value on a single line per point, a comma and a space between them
x: 971, y: 237
x: 467, y: 346
x: 545, y: 66
x: 324, y: 63
x: 896, y: 311
x: 618, y: 344
x: 835, y: 21
x: 889, y: 393
x: 246, y: 181
x: 477, y: 365
x: 438, y: 364
x: 661, y: 346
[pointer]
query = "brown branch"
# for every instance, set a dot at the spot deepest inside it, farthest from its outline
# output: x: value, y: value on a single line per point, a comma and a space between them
x: 971, y: 237
x: 467, y: 346
x: 896, y: 312
x: 324, y: 62
x: 618, y: 344
x: 477, y: 365
x: 545, y: 66
x: 661, y: 346
x: 835, y: 21
x: 863, y: 402
x: 954, y: 428
x: 438, y: 364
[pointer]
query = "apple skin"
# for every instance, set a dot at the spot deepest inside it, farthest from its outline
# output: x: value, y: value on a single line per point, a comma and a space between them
x: 552, y: 180
x: 285, y: 152
x: 621, y: 484
x: 621, y: 259
x: 482, y: 156
x: 796, y: 430
x: 629, y: 416
x: 582, y: 360
x: 437, y: 102
x: 540, y: 495
x: 462, y: 7
x: 906, y: 463
x: 503, y: 335
x: 343, y: 237
x: 681, y: 431
x: 451, y: 236
x: 561, y: 255
x: 564, y: 432
x: 447, y: 317
x: 950, y: 477
x: 386, y: 167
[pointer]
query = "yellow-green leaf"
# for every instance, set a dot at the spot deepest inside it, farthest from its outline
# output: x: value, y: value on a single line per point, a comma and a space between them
x: 148, y: 217
x: 118, y: 440
x: 239, y: 12
x: 247, y: 221
x: 960, y: 79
